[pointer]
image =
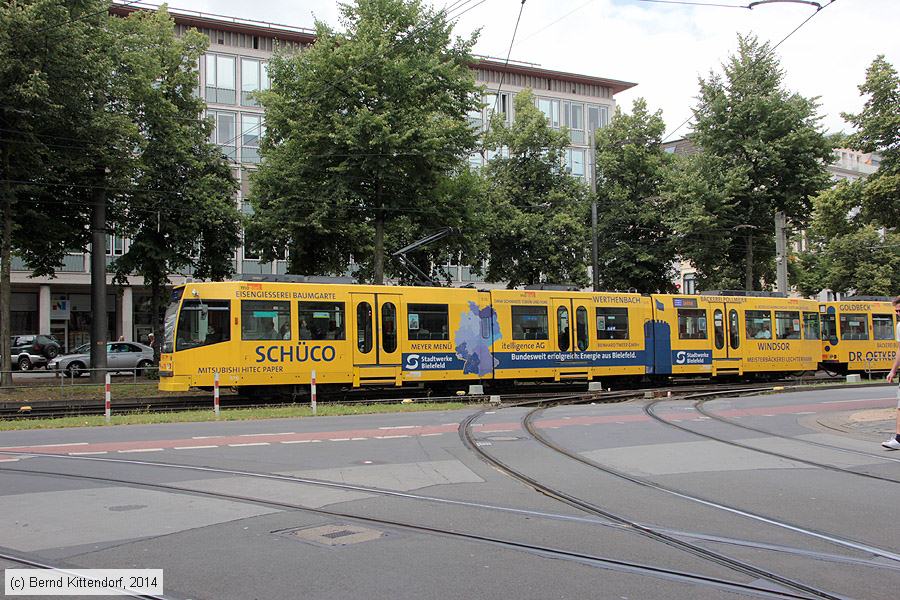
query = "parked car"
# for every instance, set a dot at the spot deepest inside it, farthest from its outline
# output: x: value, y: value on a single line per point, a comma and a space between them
x: 120, y: 356
x: 29, y: 351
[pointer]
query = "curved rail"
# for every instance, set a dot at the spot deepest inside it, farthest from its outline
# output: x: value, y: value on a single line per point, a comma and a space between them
x: 648, y: 410
x: 468, y: 439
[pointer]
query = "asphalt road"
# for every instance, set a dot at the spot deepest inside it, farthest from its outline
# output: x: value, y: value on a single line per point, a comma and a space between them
x: 333, y: 507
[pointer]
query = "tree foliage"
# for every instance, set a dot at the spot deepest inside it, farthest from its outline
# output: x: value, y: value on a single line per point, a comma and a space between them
x: 636, y: 244
x: 180, y: 213
x: 362, y: 131
x: 539, y: 213
x: 762, y: 151
x: 854, y: 243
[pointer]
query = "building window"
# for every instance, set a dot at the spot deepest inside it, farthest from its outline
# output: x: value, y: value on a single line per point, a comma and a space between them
x: 550, y: 108
x: 252, y: 129
x: 575, y: 162
x: 598, y: 116
x: 573, y: 114
x: 254, y: 77
x: 689, y: 283
x: 223, y: 133
x: 475, y: 114
x: 530, y: 323
x: 115, y: 245
x: 495, y: 105
x: 220, y: 84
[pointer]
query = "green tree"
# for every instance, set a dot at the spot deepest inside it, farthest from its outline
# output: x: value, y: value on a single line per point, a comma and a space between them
x: 637, y: 245
x: 180, y: 212
x: 361, y: 131
x: 51, y: 67
x: 854, y: 243
x: 539, y: 213
x: 762, y: 150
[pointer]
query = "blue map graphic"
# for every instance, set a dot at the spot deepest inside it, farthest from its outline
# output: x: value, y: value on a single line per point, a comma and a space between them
x: 478, y: 329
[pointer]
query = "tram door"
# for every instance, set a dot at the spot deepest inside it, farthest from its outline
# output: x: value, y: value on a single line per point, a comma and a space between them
x: 377, y: 338
x: 725, y: 338
x: 571, y: 318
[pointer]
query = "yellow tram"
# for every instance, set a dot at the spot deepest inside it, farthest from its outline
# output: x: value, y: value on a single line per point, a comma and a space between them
x: 276, y: 333
x: 858, y: 335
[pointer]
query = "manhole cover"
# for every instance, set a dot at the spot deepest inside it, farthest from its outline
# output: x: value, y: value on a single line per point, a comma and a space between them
x: 335, y: 535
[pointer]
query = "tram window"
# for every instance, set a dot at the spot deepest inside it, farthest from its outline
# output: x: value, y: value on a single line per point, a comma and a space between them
x: 829, y: 328
x: 612, y: 323
x: 759, y: 324
x: 562, y: 328
x: 170, y: 319
x: 530, y: 323
x: 719, y: 329
x: 265, y: 320
x: 428, y: 321
x: 322, y: 320
x: 811, y: 326
x: 691, y: 324
x: 854, y: 326
x: 203, y: 322
x: 581, y: 328
x: 364, y: 327
x: 882, y: 327
x: 787, y: 325
x: 388, y: 327
x: 734, y: 330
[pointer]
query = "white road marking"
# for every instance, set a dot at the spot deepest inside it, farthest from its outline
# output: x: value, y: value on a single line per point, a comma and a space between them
x: 338, y: 439
x: 84, y: 453
x: 431, y: 434
x: 356, y: 439
x: 9, y: 460
x: 140, y: 450
x: 59, y: 445
x: 390, y: 437
x: 808, y: 412
x: 859, y: 400
x: 206, y: 437
x: 402, y: 427
x: 260, y: 434
x: 251, y: 444
x: 298, y: 441
x: 192, y: 447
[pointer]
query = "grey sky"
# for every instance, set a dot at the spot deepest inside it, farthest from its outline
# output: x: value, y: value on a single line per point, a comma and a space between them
x: 663, y: 48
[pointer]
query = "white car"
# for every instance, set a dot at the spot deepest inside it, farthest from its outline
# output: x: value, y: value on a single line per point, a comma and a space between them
x: 120, y: 356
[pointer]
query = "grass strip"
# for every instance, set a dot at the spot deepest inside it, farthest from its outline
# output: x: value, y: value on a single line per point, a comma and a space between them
x: 292, y: 411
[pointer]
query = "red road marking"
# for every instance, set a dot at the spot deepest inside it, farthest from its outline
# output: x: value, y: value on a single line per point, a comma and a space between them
x: 295, y: 438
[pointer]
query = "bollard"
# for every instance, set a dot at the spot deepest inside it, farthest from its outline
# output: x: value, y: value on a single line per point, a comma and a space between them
x: 312, y: 393
x: 216, y: 392
x: 108, y: 399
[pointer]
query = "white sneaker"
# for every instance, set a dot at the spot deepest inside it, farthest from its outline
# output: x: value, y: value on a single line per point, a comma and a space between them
x: 891, y: 444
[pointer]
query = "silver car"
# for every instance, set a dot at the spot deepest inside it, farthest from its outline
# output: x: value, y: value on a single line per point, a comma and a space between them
x: 120, y: 356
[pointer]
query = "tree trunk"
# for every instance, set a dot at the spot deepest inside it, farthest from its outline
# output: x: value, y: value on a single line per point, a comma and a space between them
x: 378, y: 258
x: 5, y: 284
x: 155, y: 302
x: 98, y: 280
x: 748, y: 267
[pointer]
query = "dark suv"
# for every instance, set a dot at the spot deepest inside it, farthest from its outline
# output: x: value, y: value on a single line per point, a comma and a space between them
x: 32, y: 350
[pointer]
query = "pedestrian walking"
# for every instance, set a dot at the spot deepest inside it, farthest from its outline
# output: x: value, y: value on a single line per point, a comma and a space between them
x: 894, y: 442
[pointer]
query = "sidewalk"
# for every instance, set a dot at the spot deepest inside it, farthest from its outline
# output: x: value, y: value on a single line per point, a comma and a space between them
x: 874, y: 424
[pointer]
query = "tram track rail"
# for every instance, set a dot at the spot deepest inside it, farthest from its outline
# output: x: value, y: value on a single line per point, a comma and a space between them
x: 649, y: 411
x: 468, y: 438
x: 534, y: 549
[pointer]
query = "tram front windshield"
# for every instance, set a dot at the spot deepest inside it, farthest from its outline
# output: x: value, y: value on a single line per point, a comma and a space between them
x: 169, y: 321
